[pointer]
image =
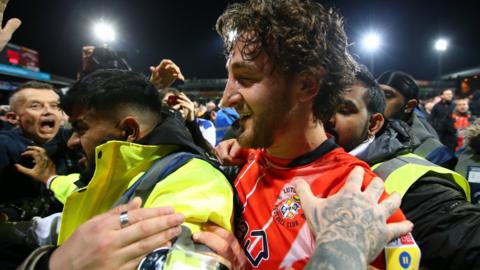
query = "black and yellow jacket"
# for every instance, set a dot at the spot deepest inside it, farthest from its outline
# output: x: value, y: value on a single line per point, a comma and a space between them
x: 197, y: 189
x: 435, y: 199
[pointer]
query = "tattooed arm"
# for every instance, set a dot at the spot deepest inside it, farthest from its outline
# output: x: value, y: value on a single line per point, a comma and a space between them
x: 350, y: 227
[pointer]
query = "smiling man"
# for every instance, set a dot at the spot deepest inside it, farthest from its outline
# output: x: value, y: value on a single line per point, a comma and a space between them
x: 38, y: 116
x: 287, y: 66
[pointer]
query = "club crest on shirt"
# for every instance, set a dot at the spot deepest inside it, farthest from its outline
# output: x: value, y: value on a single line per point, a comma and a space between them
x: 287, y: 211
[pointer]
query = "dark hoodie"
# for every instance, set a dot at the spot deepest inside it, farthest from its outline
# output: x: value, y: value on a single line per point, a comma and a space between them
x: 442, y: 122
x: 446, y: 225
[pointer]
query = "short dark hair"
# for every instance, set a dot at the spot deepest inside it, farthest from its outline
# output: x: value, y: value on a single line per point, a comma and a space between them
x: 108, y: 90
x: 296, y: 36
x: 401, y: 82
x: 374, y: 97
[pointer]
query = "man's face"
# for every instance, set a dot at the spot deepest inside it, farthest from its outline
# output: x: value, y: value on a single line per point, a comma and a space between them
x: 395, y: 103
x: 351, y: 122
x: 262, y: 98
x: 38, y: 113
x: 462, y: 105
x: 447, y: 95
x: 91, y: 129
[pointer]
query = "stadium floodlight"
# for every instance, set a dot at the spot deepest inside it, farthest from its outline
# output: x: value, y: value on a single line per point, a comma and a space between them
x: 371, y: 41
x: 104, y: 32
x: 441, y: 45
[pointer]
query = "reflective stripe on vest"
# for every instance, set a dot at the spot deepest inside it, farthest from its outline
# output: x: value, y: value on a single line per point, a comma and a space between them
x: 400, y: 173
x: 427, y: 146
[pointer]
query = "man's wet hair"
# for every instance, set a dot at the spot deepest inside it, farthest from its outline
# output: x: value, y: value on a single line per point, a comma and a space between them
x: 374, y: 97
x: 109, y: 90
x: 297, y: 36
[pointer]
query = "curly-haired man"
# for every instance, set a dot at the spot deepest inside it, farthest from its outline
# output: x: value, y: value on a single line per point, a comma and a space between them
x: 287, y: 65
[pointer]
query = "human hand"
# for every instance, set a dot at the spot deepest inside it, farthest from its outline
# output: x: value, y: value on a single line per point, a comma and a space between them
x: 351, y: 224
x: 223, y: 243
x: 186, y: 107
x: 10, y: 27
x: 43, y: 169
x: 101, y: 242
x: 87, y: 52
x: 230, y: 153
x: 165, y: 74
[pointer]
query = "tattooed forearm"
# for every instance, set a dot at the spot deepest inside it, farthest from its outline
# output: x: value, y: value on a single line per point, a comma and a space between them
x: 348, y: 219
x: 337, y: 255
x: 350, y: 227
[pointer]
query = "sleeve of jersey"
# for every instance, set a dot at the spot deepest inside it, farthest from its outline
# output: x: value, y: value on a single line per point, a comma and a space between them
x: 199, y: 191
x: 64, y: 185
x: 401, y: 253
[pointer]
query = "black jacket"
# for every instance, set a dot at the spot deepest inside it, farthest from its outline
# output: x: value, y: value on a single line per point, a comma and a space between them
x: 446, y: 226
x: 21, y: 198
x: 442, y: 121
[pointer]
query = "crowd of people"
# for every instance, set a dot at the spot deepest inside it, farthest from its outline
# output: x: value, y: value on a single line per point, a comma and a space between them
x: 307, y: 161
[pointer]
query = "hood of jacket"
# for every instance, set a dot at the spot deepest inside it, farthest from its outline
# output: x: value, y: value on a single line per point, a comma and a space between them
x: 171, y: 131
x: 394, y: 139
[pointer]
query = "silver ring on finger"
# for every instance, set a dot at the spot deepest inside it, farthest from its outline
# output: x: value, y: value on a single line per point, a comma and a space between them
x: 123, y: 219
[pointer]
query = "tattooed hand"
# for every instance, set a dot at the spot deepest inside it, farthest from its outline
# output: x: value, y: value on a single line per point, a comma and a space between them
x: 350, y: 226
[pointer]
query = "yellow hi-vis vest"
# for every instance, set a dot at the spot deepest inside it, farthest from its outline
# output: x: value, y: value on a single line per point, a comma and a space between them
x: 197, y: 190
x: 401, y: 172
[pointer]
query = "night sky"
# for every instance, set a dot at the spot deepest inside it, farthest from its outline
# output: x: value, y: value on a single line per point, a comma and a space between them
x: 183, y: 31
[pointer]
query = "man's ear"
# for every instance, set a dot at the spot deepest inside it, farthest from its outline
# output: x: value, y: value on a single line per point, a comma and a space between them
x: 410, y: 106
x: 130, y: 128
x: 310, y: 82
x: 12, y: 118
x: 376, y: 123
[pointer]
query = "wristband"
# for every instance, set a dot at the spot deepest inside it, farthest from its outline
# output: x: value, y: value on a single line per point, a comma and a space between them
x: 50, y: 180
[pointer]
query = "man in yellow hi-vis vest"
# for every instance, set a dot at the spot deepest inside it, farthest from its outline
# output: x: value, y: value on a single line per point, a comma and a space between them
x: 123, y: 133
x: 435, y: 199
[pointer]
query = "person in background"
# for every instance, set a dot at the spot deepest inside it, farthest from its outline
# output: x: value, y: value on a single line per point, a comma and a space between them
x: 211, y: 106
x: 401, y: 92
x: 435, y: 199
x: 37, y: 111
x: 442, y: 121
x: 474, y: 103
x: 6, y: 118
x: 201, y: 129
x: 35, y: 106
x: 469, y: 158
x: 462, y: 119
x: 224, y: 118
